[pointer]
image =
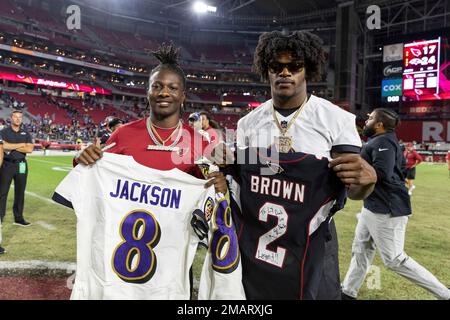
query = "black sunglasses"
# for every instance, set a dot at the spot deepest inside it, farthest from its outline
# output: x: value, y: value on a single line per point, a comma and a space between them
x: 278, y: 67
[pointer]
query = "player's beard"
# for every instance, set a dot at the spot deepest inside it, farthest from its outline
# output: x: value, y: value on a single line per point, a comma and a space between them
x: 368, y: 131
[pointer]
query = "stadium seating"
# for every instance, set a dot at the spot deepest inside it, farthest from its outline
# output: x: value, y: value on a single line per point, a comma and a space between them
x: 239, y: 98
x: 40, y: 106
x: 208, y: 96
x: 140, y: 91
x: 8, y: 28
x: 8, y: 9
x: 18, y: 70
x: 122, y: 48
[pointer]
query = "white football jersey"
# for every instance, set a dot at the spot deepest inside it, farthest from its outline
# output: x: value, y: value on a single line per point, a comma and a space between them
x: 134, y: 233
x: 320, y: 129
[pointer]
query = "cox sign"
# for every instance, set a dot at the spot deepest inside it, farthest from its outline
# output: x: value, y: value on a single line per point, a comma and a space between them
x: 391, y: 87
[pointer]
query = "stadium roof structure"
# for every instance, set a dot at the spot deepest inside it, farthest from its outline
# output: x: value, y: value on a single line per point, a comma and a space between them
x: 257, y: 15
x: 231, y: 11
x: 270, y: 9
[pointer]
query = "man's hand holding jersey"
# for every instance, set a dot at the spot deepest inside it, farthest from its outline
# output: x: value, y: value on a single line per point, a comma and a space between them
x: 218, y: 180
x: 359, y: 176
x: 90, y: 154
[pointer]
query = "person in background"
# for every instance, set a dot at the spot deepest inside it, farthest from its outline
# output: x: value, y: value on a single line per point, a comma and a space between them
x: 2, y: 250
x: 195, y: 122
x: 210, y: 126
x: 1, y: 149
x: 412, y: 160
x: 111, y: 124
x: 447, y: 157
x: 384, y: 216
x: 17, y: 143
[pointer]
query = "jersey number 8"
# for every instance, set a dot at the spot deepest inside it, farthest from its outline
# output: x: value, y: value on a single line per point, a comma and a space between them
x: 140, y: 233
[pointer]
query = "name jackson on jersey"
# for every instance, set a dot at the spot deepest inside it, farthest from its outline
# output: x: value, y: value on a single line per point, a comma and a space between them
x: 146, y: 193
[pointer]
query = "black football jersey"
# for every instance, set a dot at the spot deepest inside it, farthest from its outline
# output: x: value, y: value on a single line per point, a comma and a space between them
x: 284, y: 205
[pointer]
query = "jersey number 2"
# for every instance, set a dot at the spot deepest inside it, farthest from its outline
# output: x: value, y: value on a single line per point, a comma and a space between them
x: 140, y: 233
x: 275, y: 258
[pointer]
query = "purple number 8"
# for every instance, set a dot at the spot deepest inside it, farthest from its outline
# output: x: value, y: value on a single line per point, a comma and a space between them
x: 224, y: 242
x: 140, y: 233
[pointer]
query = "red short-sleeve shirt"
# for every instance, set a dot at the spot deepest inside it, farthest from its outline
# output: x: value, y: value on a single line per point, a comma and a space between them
x: 133, y: 138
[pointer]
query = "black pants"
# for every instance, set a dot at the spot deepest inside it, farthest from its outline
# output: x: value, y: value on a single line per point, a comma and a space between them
x: 411, y: 173
x: 9, y: 172
x: 330, y: 286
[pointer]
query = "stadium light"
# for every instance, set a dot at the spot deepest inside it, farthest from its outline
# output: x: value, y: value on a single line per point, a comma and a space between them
x: 201, y: 7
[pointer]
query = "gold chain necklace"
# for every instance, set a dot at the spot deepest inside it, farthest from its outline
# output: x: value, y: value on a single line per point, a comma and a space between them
x: 155, y: 126
x: 283, y: 142
x: 291, y: 122
x: 159, y: 137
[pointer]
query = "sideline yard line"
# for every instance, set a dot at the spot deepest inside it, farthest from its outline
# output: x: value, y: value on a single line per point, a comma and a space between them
x: 46, y: 225
x: 51, y: 162
x: 48, y: 200
x: 38, y: 264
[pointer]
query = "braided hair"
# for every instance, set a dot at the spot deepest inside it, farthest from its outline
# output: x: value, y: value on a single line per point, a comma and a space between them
x: 168, y: 55
x: 302, y: 45
x: 389, y: 118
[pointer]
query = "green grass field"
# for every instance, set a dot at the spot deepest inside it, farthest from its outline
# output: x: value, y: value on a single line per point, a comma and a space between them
x: 52, y: 235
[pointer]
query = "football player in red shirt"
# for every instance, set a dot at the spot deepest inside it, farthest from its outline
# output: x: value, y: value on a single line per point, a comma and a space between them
x: 161, y: 141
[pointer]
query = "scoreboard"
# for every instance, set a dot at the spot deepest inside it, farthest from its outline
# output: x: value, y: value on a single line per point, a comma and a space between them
x: 421, y: 68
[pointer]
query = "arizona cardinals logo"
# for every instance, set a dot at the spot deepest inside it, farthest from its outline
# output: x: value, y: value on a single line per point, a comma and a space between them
x: 275, y: 167
x: 416, y: 52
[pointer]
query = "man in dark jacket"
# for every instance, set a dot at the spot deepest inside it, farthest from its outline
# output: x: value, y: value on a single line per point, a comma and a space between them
x: 384, y: 216
x: 2, y: 250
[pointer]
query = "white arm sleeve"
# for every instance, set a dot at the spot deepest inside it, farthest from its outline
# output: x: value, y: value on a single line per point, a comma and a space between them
x: 69, y: 190
x: 347, y: 139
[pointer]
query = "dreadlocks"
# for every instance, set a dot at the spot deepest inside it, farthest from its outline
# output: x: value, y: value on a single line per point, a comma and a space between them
x: 167, y: 55
x: 301, y: 44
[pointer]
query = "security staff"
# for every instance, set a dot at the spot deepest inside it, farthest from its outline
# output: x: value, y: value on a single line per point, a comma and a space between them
x: 16, y: 144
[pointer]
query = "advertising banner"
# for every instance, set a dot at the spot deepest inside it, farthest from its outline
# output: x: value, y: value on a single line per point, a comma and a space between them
x: 51, y: 83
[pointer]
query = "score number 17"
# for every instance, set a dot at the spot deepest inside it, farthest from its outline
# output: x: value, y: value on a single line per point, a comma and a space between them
x: 429, y: 49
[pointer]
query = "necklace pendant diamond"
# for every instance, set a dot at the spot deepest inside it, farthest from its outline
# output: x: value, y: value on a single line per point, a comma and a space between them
x: 284, y: 144
x: 163, y: 148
